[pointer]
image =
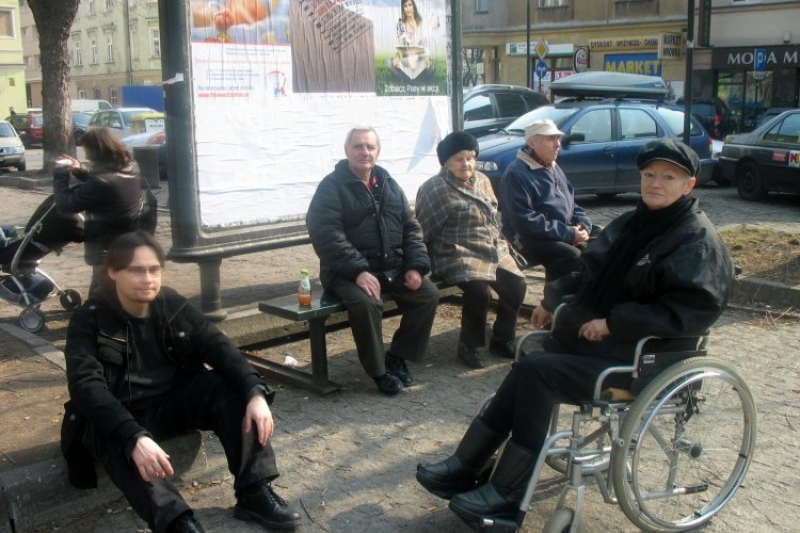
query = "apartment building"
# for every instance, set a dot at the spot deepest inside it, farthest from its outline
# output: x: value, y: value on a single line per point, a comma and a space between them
x: 12, y: 69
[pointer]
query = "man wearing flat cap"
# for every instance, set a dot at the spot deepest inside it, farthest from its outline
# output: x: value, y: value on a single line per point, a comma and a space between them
x: 537, y: 202
x: 457, y: 210
x: 660, y: 270
x: 369, y: 243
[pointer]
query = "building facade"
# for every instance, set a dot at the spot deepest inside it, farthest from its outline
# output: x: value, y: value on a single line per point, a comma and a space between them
x: 12, y: 68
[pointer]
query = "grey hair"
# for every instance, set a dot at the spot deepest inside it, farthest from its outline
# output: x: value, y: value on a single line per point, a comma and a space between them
x: 358, y: 129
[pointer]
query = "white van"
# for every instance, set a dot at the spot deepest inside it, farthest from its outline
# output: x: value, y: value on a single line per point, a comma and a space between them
x: 90, y: 106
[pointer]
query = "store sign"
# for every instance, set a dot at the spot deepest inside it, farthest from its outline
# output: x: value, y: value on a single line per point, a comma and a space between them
x: 580, y: 59
x: 775, y: 57
x: 553, y: 50
x: 647, y: 42
x: 647, y: 64
x: 670, y: 46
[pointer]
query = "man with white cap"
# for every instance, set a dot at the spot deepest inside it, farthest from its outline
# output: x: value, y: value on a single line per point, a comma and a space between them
x: 537, y: 202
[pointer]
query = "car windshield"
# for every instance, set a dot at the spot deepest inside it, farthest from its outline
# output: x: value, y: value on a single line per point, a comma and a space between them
x: 6, y: 130
x: 127, y: 116
x: 81, y: 119
x: 674, y: 120
x: 557, y: 114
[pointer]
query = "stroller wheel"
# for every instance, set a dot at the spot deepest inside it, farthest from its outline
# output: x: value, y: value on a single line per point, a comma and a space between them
x: 70, y: 299
x: 31, y: 319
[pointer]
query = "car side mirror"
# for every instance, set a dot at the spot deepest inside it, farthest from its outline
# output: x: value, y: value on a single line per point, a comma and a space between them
x: 115, y: 124
x: 573, y: 137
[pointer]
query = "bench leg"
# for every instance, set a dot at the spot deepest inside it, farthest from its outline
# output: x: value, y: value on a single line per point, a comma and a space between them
x: 319, y: 352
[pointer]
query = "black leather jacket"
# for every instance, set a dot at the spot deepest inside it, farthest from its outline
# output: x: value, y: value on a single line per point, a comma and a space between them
x: 352, y: 233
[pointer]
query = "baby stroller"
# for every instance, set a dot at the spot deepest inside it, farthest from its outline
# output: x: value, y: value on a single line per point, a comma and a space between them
x: 22, y: 283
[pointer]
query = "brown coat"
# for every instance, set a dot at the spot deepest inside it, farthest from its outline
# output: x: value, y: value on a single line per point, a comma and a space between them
x: 461, y: 228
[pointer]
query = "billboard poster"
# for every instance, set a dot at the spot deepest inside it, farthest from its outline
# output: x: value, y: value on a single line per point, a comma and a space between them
x: 276, y: 85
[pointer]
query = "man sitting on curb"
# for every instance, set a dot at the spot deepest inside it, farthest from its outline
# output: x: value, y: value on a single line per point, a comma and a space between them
x: 143, y: 365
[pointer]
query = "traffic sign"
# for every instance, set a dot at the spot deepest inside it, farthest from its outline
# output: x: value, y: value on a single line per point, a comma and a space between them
x: 541, y: 69
x: 759, y: 60
x: 541, y: 48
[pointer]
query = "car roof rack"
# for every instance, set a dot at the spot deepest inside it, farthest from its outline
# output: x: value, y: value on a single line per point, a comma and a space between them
x: 611, y: 85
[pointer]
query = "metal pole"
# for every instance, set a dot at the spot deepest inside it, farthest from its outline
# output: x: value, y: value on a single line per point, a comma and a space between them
x: 687, y: 86
x: 457, y: 96
x: 529, y: 72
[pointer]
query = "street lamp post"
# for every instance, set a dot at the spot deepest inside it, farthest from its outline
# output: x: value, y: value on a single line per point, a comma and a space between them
x: 528, y: 72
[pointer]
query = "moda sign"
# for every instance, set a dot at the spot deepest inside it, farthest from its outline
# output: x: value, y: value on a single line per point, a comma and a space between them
x: 744, y: 58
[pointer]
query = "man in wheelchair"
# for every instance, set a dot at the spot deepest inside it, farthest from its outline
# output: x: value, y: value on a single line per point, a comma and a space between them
x: 659, y: 270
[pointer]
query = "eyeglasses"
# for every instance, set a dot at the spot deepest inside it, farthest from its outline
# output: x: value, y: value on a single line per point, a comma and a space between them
x: 141, y: 271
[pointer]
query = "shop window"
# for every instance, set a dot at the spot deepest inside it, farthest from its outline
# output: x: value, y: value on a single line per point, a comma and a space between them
x: 481, y: 6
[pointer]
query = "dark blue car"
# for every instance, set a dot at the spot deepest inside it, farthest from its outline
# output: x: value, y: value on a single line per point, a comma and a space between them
x: 602, y: 138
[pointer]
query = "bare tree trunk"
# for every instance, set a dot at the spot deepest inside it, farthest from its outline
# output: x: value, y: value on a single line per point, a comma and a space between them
x: 53, y: 20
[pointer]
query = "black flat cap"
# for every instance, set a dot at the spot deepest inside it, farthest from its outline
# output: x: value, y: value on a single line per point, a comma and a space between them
x: 669, y: 150
x: 454, y: 143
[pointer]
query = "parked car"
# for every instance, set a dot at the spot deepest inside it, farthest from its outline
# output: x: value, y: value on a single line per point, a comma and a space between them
x: 601, y: 141
x: 29, y: 127
x: 120, y: 120
x: 490, y: 108
x: 714, y: 114
x: 80, y: 121
x: 769, y: 114
x: 12, y: 150
x: 154, y: 139
x: 765, y: 160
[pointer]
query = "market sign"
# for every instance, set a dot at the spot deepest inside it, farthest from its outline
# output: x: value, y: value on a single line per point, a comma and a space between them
x: 670, y: 46
x: 646, y: 42
x: 647, y: 64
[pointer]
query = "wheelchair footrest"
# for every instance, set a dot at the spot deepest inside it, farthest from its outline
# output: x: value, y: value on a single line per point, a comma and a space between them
x: 497, y: 525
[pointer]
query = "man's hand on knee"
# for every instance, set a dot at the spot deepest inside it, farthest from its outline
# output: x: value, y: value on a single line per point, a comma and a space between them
x: 413, y: 279
x: 151, y: 460
x: 369, y: 284
x: 259, y: 416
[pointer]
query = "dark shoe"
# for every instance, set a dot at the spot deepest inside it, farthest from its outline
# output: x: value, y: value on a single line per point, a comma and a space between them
x: 502, y: 348
x: 462, y: 471
x: 469, y: 356
x: 389, y: 384
x: 185, y: 523
x: 500, y: 498
x: 397, y: 367
x: 261, y: 504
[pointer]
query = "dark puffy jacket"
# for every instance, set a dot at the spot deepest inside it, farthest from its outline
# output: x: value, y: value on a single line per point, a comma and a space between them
x: 352, y: 234
x: 678, y: 286
x: 111, y: 200
x: 100, y: 345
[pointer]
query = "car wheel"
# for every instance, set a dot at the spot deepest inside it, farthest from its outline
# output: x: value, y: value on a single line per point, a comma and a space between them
x: 21, y: 167
x: 749, y: 183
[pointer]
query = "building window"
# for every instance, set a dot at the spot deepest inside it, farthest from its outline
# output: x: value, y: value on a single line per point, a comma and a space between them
x: 113, y: 96
x: 553, y: 3
x: 109, y: 5
x: 109, y: 49
x: 78, y: 55
x: 6, y: 23
x: 91, y: 8
x: 155, y: 43
x: 481, y: 6
x: 93, y: 48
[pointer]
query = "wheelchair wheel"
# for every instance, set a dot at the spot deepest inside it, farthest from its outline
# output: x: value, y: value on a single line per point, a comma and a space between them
x: 31, y: 319
x: 560, y: 521
x: 685, y: 446
x: 69, y: 299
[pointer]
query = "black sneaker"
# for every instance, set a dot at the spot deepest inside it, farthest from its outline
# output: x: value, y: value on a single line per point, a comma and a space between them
x: 397, y: 367
x: 502, y: 348
x: 185, y: 523
x: 260, y: 504
x: 469, y: 356
x: 389, y: 384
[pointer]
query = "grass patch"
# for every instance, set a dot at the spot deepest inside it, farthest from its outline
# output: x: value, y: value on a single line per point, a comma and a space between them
x: 765, y: 253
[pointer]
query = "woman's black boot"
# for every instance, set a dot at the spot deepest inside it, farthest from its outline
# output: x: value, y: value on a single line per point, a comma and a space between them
x: 500, y: 498
x: 460, y: 472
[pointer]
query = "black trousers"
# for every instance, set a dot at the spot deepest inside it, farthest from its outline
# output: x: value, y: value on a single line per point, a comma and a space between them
x: 524, y: 402
x: 409, y: 342
x: 510, y: 289
x: 558, y: 258
x: 199, y: 401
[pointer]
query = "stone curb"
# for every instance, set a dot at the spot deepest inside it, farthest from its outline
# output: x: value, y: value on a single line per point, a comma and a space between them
x: 37, y: 494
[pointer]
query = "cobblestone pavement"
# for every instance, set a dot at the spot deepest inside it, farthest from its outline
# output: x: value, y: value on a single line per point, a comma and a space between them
x: 349, y: 459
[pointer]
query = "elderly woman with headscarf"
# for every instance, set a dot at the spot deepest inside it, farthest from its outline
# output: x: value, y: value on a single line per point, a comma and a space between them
x: 460, y: 223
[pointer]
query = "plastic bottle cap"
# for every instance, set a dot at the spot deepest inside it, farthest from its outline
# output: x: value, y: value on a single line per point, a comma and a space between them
x: 304, y: 272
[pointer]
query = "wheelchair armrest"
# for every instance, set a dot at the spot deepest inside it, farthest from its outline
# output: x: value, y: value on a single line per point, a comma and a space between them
x: 543, y: 333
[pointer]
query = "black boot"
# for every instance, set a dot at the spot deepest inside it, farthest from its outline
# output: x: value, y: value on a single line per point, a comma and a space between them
x: 259, y: 503
x: 460, y: 472
x: 500, y: 498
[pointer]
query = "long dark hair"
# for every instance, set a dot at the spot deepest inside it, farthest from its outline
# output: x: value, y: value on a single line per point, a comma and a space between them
x: 122, y: 248
x: 417, y: 16
x: 102, y: 146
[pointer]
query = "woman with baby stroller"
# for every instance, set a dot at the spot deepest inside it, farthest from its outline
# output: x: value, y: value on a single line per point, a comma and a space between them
x: 109, y: 194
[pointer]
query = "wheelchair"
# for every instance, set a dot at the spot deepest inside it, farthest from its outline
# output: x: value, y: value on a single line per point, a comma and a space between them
x: 671, y: 456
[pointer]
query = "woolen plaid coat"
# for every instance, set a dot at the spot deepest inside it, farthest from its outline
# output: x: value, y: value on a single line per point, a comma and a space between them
x: 461, y: 228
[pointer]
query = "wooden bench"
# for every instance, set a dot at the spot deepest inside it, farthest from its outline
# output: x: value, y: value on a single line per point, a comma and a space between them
x: 323, y: 306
